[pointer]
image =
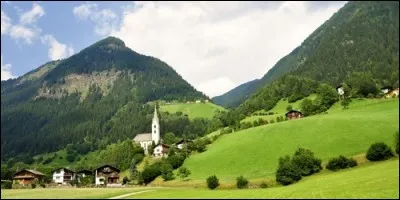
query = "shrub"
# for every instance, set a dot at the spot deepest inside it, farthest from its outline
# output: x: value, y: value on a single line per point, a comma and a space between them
x: 306, y: 162
x: 379, y: 151
x: 176, y: 160
x: 125, y: 180
x: 241, y: 182
x: 183, y: 172
x: 212, y: 182
x: 6, y: 184
x: 150, y: 173
x: 263, y: 185
x: 33, y: 185
x: 340, y: 162
x: 166, y: 171
x: 287, y: 172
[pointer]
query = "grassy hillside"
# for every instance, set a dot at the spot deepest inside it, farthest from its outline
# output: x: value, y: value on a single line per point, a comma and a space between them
x: 254, y: 152
x: 376, y: 180
x: 193, y: 110
x: 279, y: 109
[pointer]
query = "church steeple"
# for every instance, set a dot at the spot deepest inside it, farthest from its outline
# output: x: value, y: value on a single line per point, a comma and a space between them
x: 155, y: 127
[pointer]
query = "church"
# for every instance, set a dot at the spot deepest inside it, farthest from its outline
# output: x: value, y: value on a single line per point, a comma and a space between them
x: 145, y: 139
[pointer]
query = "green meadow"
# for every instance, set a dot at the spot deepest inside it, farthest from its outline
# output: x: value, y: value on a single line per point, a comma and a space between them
x: 372, y: 180
x: 193, y: 110
x: 254, y: 152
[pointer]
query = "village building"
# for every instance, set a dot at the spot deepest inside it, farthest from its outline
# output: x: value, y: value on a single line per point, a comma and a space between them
x: 107, y: 175
x: 180, y: 143
x: 161, y: 150
x: 294, y: 114
x: 146, y: 139
x: 63, y: 176
x: 27, y: 176
x: 386, y: 89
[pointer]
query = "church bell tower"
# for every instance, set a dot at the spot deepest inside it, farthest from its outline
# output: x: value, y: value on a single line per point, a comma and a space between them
x: 155, y: 128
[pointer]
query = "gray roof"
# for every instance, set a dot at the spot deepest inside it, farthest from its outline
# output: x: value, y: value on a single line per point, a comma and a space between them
x: 142, y: 137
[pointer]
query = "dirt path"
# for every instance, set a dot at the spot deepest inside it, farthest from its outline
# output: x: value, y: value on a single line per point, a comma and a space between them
x: 130, y: 194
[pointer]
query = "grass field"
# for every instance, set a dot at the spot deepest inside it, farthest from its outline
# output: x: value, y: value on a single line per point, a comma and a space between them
x: 193, y: 110
x: 373, y: 180
x: 254, y: 152
x: 279, y: 110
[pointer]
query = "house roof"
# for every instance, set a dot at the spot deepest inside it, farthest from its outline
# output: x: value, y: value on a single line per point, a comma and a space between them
x: 31, y: 171
x: 182, y: 141
x: 293, y: 111
x: 65, y: 169
x: 116, y: 169
x: 387, y: 87
x: 142, y: 137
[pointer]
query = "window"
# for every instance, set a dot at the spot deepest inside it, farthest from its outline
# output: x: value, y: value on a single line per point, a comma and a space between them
x: 155, y: 126
x: 57, y: 178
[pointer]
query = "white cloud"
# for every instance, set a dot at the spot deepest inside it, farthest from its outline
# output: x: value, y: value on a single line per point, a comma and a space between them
x: 18, y: 32
x: 26, y: 28
x: 105, y: 20
x: 33, y: 15
x: 214, y: 87
x: 57, y: 50
x: 5, y: 71
x: 204, y: 41
x: 5, y: 23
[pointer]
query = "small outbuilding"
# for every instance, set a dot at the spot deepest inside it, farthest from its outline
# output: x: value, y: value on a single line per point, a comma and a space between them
x: 294, y: 114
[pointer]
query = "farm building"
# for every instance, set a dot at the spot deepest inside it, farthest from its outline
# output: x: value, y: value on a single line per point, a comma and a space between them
x: 180, y: 144
x: 294, y: 114
x: 107, y: 174
x: 63, y: 176
x: 386, y: 89
x: 391, y: 93
x: 27, y: 176
x: 160, y: 150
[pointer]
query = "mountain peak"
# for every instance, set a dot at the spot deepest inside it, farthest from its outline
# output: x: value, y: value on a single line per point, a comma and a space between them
x: 111, y: 41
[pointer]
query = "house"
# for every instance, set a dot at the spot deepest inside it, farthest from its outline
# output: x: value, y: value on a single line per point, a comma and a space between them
x: 84, y: 173
x: 182, y: 142
x: 294, y: 114
x: 27, y: 176
x: 161, y: 150
x: 63, y: 176
x: 106, y: 174
x: 340, y: 90
x: 393, y: 93
x: 386, y: 89
x: 198, y: 101
x: 146, y: 139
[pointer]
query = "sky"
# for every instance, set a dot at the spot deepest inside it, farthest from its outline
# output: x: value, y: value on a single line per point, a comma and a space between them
x: 215, y: 46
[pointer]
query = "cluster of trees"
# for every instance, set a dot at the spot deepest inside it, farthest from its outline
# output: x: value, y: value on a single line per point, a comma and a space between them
x: 302, y: 163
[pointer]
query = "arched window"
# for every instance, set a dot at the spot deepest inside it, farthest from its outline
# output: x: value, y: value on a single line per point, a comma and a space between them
x: 155, y: 126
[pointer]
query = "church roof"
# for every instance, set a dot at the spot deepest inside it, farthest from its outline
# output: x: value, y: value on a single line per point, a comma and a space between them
x: 142, y: 137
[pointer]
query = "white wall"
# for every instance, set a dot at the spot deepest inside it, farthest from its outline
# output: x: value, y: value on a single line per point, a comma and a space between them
x: 58, y: 177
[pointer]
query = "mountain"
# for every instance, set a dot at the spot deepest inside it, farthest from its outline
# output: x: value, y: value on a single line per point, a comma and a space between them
x: 360, y: 37
x: 92, y: 98
x: 235, y: 96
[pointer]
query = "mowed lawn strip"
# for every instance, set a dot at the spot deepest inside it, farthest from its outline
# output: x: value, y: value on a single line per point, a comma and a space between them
x: 66, y: 193
x: 373, y: 180
x: 254, y: 152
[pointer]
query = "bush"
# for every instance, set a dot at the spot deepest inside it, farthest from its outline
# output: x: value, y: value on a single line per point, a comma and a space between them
x: 340, y: 162
x: 379, y: 151
x: 125, y: 180
x: 263, y: 185
x: 287, y: 172
x: 166, y: 171
x: 306, y: 162
x: 183, y: 172
x: 176, y: 160
x: 150, y: 173
x: 6, y: 184
x: 241, y: 182
x: 212, y: 182
x: 33, y: 185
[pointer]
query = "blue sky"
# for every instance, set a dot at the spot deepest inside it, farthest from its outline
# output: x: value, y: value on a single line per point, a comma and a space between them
x: 215, y: 46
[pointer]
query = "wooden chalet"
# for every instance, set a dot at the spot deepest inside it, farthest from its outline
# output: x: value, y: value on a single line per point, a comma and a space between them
x: 294, y: 114
x: 106, y: 174
x: 182, y: 142
x: 27, y: 176
x: 161, y: 150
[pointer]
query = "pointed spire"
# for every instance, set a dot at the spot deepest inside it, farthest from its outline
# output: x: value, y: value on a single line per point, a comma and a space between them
x: 155, y: 117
